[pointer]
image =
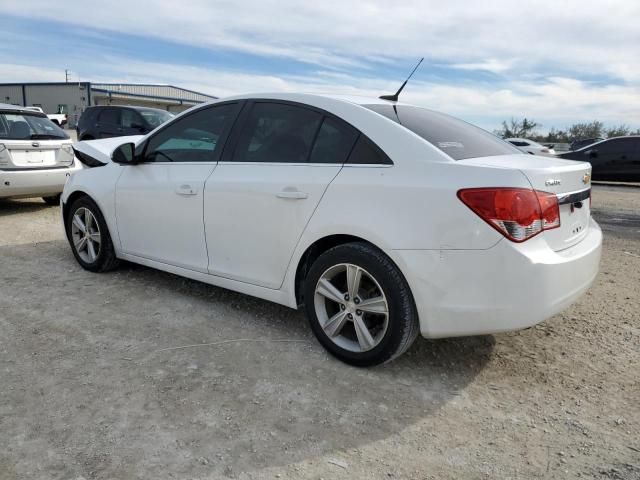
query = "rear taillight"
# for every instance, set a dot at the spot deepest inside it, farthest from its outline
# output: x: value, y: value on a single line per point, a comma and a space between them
x: 517, y: 213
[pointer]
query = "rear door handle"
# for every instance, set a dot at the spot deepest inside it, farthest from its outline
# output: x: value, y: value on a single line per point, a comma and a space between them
x: 186, y: 190
x: 292, y: 194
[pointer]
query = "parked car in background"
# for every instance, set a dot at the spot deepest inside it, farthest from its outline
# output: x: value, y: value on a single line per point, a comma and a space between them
x: 614, y: 159
x: 117, y: 121
x: 558, y: 147
x: 36, y: 156
x: 383, y: 219
x: 59, y: 119
x: 578, y: 144
x: 529, y: 146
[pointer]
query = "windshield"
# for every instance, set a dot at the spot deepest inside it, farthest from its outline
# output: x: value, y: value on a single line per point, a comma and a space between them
x: 156, y: 118
x: 23, y: 126
x: 454, y: 137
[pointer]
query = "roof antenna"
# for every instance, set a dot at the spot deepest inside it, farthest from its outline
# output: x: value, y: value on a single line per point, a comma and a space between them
x: 394, y: 97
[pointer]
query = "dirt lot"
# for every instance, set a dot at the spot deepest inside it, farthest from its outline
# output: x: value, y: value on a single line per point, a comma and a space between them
x: 91, y: 387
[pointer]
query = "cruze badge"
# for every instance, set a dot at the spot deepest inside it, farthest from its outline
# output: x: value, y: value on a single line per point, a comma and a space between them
x: 586, y: 178
x: 552, y: 182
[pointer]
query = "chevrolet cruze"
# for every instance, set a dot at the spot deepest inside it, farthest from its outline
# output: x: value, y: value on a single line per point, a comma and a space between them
x: 381, y: 219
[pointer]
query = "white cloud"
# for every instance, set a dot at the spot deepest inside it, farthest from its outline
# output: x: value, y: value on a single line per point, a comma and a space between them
x: 543, y: 55
x: 578, y: 36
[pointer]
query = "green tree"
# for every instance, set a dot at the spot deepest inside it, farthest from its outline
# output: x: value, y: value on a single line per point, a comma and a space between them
x: 618, y: 131
x: 517, y: 128
x: 593, y: 129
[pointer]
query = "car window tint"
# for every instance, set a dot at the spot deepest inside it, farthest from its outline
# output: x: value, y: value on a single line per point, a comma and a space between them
x: 458, y: 139
x: 109, y: 116
x: 277, y: 132
x: 334, y: 142
x: 366, y: 152
x: 618, y: 146
x: 193, y: 138
x: 129, y: 118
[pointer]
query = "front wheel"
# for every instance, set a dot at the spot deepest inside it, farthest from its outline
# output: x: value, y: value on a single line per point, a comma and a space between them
x: 359, y: 305
x: 89, y: 236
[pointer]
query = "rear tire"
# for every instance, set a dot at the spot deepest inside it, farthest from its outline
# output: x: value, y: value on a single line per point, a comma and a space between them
x: 52, y: 200
x: 359, y: 305
x: 89, y: 237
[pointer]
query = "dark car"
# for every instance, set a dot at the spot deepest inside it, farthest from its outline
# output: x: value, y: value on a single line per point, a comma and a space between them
x: 616, y: 159
x: 583, y: 142
x: 117, y: 121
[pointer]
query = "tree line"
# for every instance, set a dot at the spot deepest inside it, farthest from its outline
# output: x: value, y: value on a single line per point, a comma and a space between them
x: 526, y: 128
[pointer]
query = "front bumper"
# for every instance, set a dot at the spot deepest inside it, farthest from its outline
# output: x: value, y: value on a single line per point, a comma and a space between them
x: 35, y: 182
x: 507, y: 287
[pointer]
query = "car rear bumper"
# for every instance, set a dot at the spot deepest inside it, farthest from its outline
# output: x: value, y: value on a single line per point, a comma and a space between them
x: 35, y: 182
x: 507, y: 287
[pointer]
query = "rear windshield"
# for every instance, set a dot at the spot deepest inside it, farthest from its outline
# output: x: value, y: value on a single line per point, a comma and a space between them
x: 454, y: 137
x: 155, y: 118
x: 24, y: 126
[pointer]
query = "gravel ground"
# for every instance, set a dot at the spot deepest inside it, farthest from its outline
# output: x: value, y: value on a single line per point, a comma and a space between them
x: 91, y: 385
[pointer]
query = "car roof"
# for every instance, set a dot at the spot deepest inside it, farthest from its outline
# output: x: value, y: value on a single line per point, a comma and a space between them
x: 133, y: 107
x: 311, y: 97
x: 18, y: 108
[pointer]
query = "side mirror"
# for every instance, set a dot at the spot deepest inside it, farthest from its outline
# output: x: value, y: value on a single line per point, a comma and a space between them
x: 124, y: 154
x: 593, y: 153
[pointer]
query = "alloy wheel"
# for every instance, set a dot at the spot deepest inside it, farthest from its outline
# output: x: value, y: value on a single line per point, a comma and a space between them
x: 351, y: 307
x: 85, y: 233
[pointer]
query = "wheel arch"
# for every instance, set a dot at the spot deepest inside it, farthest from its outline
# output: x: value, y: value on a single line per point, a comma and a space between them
x: 317, y: 248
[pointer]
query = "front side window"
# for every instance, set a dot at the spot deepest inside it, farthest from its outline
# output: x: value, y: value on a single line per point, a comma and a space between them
x: 28, y: 127
x: 194, y: 138
x: 458, y: 139
x: 278, y: 133
x: 155, y: 118
x: 130, y: 119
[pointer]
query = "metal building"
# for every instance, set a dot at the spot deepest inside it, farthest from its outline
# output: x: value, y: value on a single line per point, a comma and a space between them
x: 73, y: 98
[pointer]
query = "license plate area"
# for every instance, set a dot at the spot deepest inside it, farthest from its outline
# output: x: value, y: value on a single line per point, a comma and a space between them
x: 33, y: 158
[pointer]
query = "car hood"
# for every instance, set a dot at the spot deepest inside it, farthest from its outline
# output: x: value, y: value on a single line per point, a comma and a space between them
x: 95, y: 153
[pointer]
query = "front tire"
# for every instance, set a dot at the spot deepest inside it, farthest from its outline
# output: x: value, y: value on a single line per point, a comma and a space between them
x: 89, y: 236
x: 359, y: 305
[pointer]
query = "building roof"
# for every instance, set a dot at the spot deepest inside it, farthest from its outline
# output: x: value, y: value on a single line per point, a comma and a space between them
x: 135, y: 90
x: 150, y: 90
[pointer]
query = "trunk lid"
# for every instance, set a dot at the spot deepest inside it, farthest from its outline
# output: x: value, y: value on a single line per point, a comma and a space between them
x: 36, y: 154
x: 569, y: 180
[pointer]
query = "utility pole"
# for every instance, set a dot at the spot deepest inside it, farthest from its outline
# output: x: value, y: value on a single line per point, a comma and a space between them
x: 66, y: 75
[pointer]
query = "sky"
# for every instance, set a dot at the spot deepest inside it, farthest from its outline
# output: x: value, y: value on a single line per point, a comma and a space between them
x: 557, y: 62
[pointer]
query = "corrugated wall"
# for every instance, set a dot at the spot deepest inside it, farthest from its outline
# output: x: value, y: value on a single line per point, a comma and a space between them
x: 164, y: 91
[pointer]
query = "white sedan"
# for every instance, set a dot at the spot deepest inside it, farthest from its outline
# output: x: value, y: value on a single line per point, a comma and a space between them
x: 381, y: 219
x: 531, y: 147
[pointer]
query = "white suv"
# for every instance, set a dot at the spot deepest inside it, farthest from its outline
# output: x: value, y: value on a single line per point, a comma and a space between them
x: 36, y: 157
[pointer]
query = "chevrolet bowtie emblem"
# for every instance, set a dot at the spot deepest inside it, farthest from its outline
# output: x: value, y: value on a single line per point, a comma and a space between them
x: 586, y: 178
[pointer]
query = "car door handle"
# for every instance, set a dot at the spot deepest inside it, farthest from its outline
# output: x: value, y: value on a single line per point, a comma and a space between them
x: 186, y: 190
x: 292, y: 194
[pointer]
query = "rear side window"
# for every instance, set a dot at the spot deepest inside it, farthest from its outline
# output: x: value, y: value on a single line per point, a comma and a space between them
x: 109, y: 116
x: 278, y: 133
x: 454, y: 137
x: 334, y: 142
x: 366, y: 152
